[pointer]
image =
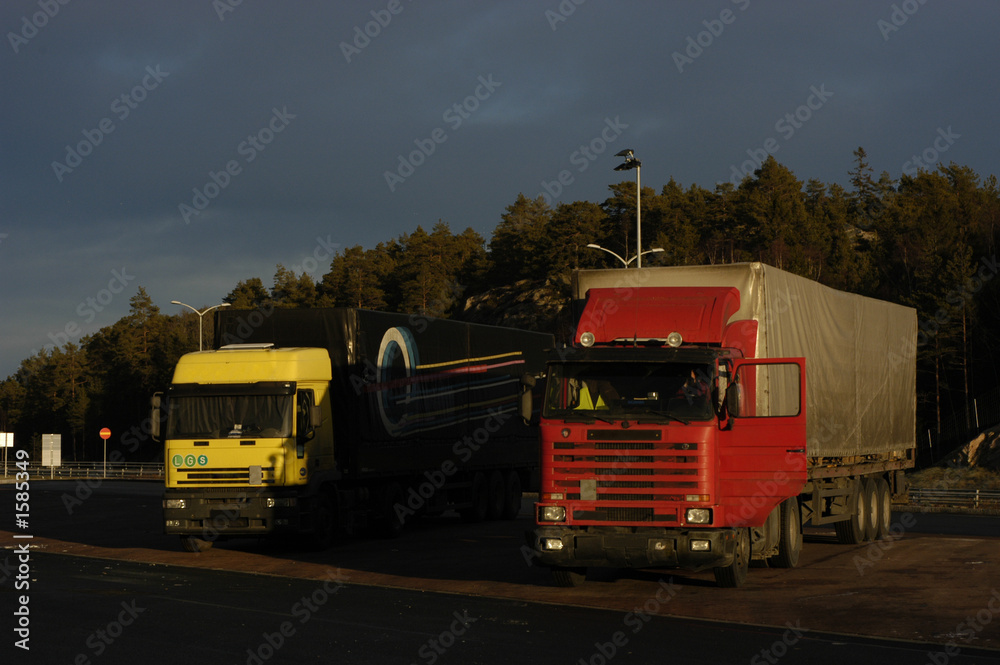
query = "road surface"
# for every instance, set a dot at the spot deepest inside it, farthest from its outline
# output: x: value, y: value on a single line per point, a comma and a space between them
x: 97, y: 554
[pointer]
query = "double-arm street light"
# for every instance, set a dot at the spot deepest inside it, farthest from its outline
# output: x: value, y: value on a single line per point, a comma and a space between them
x: 625, y: 262
x: 632, y: 163
x: 200, y: 315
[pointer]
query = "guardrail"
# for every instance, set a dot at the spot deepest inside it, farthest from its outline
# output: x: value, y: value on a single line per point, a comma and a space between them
x: 71, y: 470
x: 965, y: 498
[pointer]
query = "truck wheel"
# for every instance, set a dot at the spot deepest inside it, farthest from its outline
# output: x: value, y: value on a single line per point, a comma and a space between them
x: 388, y: 520
x: 872, y: 512
x: 569, y: 577
x: 192, y: 544
x: 479, y: 497
x: 790, y: 538
x: 512, y: 496
x: 496, y: 497
x: 852, y: 531
x: 735, y: 574
x: 884, y: 508
x: 324, y: 523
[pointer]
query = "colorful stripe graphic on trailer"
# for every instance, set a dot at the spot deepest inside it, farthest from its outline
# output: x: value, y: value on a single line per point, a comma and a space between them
x: 414, y: 398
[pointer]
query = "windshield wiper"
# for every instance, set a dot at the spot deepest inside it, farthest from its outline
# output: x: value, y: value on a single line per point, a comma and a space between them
x: 585, y: 416
x: 668, y: 416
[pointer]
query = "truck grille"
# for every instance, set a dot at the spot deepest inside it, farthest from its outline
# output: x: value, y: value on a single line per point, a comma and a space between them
x: 628, y: 476
x: 226, y: 476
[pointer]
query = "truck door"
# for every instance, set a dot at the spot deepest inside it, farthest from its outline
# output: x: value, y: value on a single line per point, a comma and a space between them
x: 762, y: 455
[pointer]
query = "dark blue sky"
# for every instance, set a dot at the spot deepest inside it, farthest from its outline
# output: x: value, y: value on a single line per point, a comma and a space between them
x: 186, y: 146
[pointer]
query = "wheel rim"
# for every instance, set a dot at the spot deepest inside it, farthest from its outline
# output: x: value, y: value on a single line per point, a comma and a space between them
x: 860, y: 512
x: 743, y: 550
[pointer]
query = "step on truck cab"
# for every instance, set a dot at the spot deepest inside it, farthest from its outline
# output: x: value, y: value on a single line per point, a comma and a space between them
x: 704, y: 414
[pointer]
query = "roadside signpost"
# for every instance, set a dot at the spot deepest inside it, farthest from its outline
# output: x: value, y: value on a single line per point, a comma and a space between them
x: 105, y: 434
x: 6, y: 441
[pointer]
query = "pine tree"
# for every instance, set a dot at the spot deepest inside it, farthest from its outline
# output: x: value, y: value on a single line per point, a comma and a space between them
x: 248, y: 294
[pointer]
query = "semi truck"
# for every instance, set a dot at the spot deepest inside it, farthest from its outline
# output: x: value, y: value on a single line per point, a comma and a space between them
x: 704, y: 414
x: 315, y: 423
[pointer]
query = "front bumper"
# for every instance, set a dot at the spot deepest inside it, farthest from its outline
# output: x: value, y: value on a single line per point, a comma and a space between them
x: 623, y: 547
x: 210, y: 515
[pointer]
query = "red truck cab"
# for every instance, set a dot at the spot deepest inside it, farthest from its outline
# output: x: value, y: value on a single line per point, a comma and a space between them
x: 665, y: 443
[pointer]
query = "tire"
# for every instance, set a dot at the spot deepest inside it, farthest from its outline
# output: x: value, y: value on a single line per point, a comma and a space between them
x: 388, y: 520
x: 496, y: 496
x: 735, y: 574
x: 873, y: 514
x: 884, y: 508
x: 852, y: 531
x: 790, y: 538
x: 192, y: 544
x: 569, y: 577
x: 511, y: 496
x: 479, y: 497
x: 324, y: 523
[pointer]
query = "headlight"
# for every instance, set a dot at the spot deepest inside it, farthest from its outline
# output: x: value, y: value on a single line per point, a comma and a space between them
x: 698, y: 515
x: 174, y: 503
x: 552, y: 544
x: 587, y: 339
x: 552, y: 514
x: 701, y: 545
x: 674, y: 339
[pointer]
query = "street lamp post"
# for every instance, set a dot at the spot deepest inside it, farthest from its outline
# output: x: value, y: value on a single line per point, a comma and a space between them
x: 200, y: 315
x: 625, y: 262
x: 632, y: 163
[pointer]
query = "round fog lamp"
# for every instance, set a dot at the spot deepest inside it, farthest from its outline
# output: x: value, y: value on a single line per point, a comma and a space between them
x: 587, y: 339
x: 674, y: 339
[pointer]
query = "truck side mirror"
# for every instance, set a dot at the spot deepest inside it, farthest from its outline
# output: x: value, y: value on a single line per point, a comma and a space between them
x: 527, y: 406
x: 155, y: 416
x: 733, y: 400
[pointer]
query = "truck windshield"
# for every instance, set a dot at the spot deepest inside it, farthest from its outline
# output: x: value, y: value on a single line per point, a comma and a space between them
x: 638, y: 391
x: 230, y: 416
